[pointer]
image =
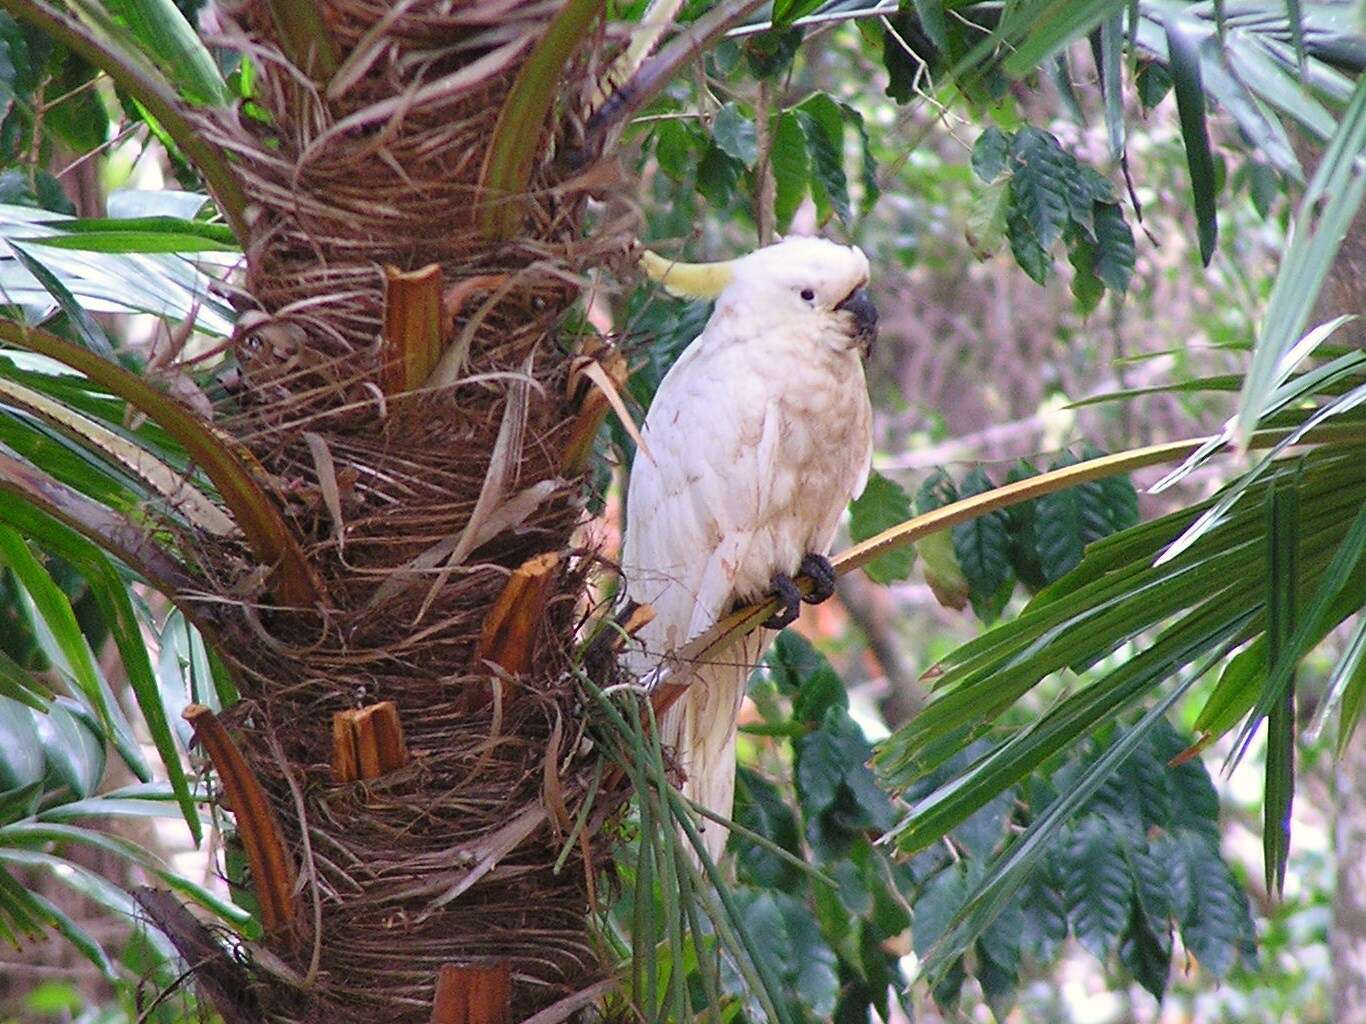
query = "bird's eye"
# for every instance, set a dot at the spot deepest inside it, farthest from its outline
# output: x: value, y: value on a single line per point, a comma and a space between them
x: 808, y: 294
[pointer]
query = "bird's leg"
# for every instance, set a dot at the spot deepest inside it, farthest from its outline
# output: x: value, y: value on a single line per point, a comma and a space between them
x: 821, y: 573
x: 785, y: 590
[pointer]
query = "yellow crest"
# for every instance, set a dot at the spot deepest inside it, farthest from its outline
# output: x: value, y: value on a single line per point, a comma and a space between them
x: 687, y: 280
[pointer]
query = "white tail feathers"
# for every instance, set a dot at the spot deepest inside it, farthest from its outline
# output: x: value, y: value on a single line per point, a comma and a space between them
x: 701, y: 730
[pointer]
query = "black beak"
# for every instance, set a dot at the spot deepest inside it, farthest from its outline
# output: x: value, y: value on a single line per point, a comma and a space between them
x: 861, y: 308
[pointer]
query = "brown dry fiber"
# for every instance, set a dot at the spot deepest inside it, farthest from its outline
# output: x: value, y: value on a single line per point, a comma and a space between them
x: 379, y: 168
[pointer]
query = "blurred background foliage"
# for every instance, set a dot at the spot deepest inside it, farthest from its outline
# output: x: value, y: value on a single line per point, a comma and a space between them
x: 1063, y: 203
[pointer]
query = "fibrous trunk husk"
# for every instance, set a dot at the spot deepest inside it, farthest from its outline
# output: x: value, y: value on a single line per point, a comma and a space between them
x: 383, y: 170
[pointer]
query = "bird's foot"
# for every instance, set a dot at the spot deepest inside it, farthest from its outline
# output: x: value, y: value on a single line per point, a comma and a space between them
x: 790, y: 601
x: 821, y: 573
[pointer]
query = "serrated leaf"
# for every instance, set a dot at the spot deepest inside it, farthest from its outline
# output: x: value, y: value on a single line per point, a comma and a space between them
x: 982, y: 549
x: 1216, y: 919
x: 824, y: 122
x: 1040, y: 175
x: 990, y: 152
x: 1096, y: 883
x: 1115, y: 256
x: 882, y: 505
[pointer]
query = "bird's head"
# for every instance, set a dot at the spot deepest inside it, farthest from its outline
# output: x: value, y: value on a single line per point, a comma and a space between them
x: 791, y: 280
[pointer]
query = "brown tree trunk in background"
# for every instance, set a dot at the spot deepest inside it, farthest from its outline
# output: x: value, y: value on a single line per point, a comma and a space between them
x: 1349, y: 902
x: 1345, y: 292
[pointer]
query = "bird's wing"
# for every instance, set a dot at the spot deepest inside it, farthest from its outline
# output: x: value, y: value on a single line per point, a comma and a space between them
x: 694, y: 501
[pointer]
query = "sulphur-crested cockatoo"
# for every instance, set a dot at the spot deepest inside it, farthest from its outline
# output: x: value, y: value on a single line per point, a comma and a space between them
x: 756, y: 440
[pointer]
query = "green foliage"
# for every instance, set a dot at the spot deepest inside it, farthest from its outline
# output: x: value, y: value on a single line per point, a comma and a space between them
x: 881, y: 506
x: 1034, y: 542
x: 1137, y: 865
x: 1047, y: 197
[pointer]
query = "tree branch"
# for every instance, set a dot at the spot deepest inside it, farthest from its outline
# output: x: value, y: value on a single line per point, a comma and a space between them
x: 127, y: 541
x: 656, y: 72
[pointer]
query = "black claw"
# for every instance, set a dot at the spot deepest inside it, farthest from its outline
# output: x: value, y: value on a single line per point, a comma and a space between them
x: 786, y: 592
x: 821, y: 573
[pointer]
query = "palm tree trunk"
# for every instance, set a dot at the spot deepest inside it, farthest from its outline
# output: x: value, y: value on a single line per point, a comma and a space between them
x: 407, y: 399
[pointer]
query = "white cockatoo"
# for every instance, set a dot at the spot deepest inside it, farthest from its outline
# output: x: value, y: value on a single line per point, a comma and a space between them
x: 756, y: 441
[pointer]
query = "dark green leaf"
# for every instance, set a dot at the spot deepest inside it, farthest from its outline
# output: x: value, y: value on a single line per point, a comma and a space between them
x: 733, y: 131
x: 791, y: 168
x: 1146, y: 956
x: 792, y: 660
x: 1044, y: 927
x: 932, y: 20
x: 998, y: 982
x: 717, y: 175
x: 761, y: 807
x: 1087, y: 288
x: 1114, y: 260
x: 938, y: 904
x: 820, y: 691
x: 882, y: 505
x: 1183, y: 51
x: 824, y: 122
x: 674, y: 149
x: 982, y: 549
x: 1216, y: 920
x: 867, y: 163
x: 1096, y: 883
x: 769, y: 54
x: 1153, y: 83
x: 1040, y: 175
x: 990, y: 152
